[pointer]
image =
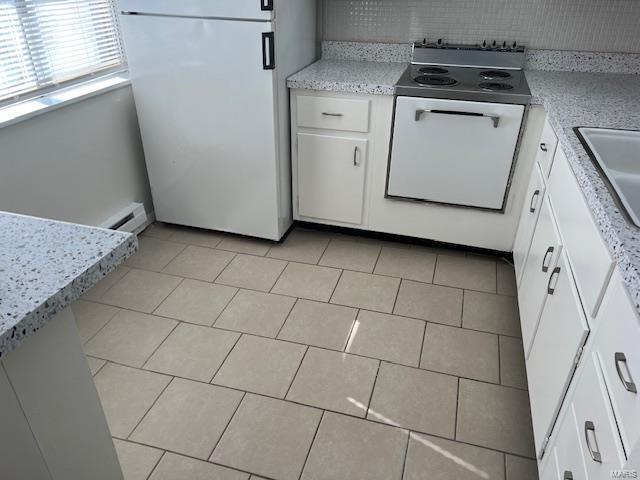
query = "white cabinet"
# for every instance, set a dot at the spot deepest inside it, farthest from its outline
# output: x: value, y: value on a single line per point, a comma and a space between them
x: 343, y: 114
x: 567, y: 456
x: 547, y: 149
x: 561, y: 334
x: 528, y: 220
x: 598, y: 433
x: 618, y: 347
x: 331, y: 177
x: 542, y: 259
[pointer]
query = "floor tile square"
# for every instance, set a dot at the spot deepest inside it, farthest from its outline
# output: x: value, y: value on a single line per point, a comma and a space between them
x: 412, y: 264
x: 153, y: 254
x: 415, y: 399
x: 141, y: 290
x: 199, y: 263
x: 335, y: 381
x: 361, y: 257
x: 491, y: 313
x: 196, y: 236
x: 472, y: 273
x: 250, y: 246
x: 130, y: 338
x: 192, y: 351
x: 304, y: 246
x: 254, y: 273
x: 433, y: 458
x: 100, y: 288
x: 519, y: 468
x: 126, y: 395
x: 387, y: 337
x: 95, y: 364
x: 197, y: 302
x: 255, y: 312
x: 268, y: 437
x: 188, y: 418
x: 307, y: 281
x: 351, y: 448
x: 461, y: 352
x: 362, y: 290
x: 177, y: 467
x: 91, y: 317
x: 430, y: 302
x: 496, y: 417
x: 506, y: 279
x: 320, y: 324
x: 513, y: 372
x: 261, y: 365
x: 137, y: 461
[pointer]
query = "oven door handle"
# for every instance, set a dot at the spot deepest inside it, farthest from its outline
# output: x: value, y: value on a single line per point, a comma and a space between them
x: 494, y: 119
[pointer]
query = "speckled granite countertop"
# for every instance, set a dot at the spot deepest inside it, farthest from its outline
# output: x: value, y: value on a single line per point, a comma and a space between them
x: 609, y: 100
x: 349, y: 76
x: 45, y: 265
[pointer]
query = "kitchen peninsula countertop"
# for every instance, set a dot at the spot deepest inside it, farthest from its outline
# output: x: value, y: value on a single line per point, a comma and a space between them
x: 571, y: 99
x: 45, y: 265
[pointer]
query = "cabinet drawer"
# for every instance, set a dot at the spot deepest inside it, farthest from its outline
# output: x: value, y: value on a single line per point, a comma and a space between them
x: 618, y: 348
x: 542, y: 259
x: 331, y: 177
x: 333, y: 113
x: 566, y: 450
x: 588, y: 254
x: 547, y: 148
x: 597, y: 431
x: 528, y: 220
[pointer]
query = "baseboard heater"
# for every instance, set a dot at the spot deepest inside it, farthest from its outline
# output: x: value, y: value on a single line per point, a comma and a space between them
x: 132, y: 219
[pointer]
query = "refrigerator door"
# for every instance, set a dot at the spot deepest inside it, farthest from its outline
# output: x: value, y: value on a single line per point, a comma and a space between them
x: 206, y: 110
x: 236, y: 9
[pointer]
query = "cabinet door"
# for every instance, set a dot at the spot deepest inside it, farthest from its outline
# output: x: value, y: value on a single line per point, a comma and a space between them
x: 331, y: 177
x: 567, y: 453
x: 528, y: 219
x: 562, y: 331
x: 547, y: 148
x: 542, y: 259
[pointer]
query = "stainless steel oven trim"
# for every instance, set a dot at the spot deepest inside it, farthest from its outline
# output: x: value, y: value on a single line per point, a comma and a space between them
x: 455, y: 205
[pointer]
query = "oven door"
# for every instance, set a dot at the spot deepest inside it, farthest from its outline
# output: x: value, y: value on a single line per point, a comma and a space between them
x: 453, y: 152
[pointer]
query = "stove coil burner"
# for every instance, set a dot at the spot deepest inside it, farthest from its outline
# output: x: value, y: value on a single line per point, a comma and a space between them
x: 495, y: 75
x: 438, y: 80
x: 433, y: 70
x: 495, y: 86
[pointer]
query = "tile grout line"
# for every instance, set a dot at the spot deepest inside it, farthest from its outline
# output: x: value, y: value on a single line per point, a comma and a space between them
x: 150, y: 407
x: 225, y: 307
x: 373, y: 387
x: 286, y: 319
x: 334, y: 288
x: 424, y: 338
x: 293, y: 379
x: 225, y: 358
x: 156, y: 464
x: 455, y: 426
x: 406, y: 453
x: 235, y: 411
x: 313, y: 440
x: 178, y: 323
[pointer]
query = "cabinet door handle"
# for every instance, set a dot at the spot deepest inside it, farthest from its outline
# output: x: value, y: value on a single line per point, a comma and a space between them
x: 568, y: 475
x: 355, y: 156
x: 545, y: 265
x: 329, y: 114
x: 596, y: 456
x: 543, y: 147
x: 556, y: 272
x: 532, y: 205
x: 629, y: 385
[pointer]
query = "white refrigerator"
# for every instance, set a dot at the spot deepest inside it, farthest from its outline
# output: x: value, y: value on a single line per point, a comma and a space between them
x: 209, y: 81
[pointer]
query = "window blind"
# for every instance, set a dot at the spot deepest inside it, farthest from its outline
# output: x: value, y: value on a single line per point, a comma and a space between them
x: 48, y: 42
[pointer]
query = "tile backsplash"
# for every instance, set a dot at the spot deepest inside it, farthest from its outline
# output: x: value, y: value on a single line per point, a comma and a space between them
x: 585, y: 25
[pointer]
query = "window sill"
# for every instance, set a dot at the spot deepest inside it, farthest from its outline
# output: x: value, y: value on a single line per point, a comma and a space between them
x: 20, y: 111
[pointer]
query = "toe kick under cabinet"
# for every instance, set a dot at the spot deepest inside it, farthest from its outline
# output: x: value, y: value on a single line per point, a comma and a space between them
x: 581, y: 331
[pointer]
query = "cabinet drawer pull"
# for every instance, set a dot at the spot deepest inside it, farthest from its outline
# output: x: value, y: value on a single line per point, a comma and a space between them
x: 356, y: 151
x: 629, y: 385
x: 533, y: 206
x: 329, y: 114
x: 545, y: 265
x: 594, y: 452
x: 568, y: 475
x: 543, y: 147
x: 556, y: 272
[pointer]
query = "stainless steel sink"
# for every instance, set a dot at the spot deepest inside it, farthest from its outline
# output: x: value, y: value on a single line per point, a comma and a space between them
x: 616, y: 154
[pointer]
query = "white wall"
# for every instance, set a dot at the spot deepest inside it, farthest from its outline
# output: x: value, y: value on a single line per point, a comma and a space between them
x: 80, y: 163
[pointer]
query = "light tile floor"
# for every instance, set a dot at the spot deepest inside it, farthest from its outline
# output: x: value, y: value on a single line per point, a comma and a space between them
x: 324, y: 357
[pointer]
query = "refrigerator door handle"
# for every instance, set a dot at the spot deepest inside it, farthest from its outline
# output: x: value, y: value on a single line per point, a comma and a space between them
x: 268, y: 51
x: 266, y: 5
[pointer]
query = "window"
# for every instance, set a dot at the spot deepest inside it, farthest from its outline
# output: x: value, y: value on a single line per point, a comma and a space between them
x: 44, y: 43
